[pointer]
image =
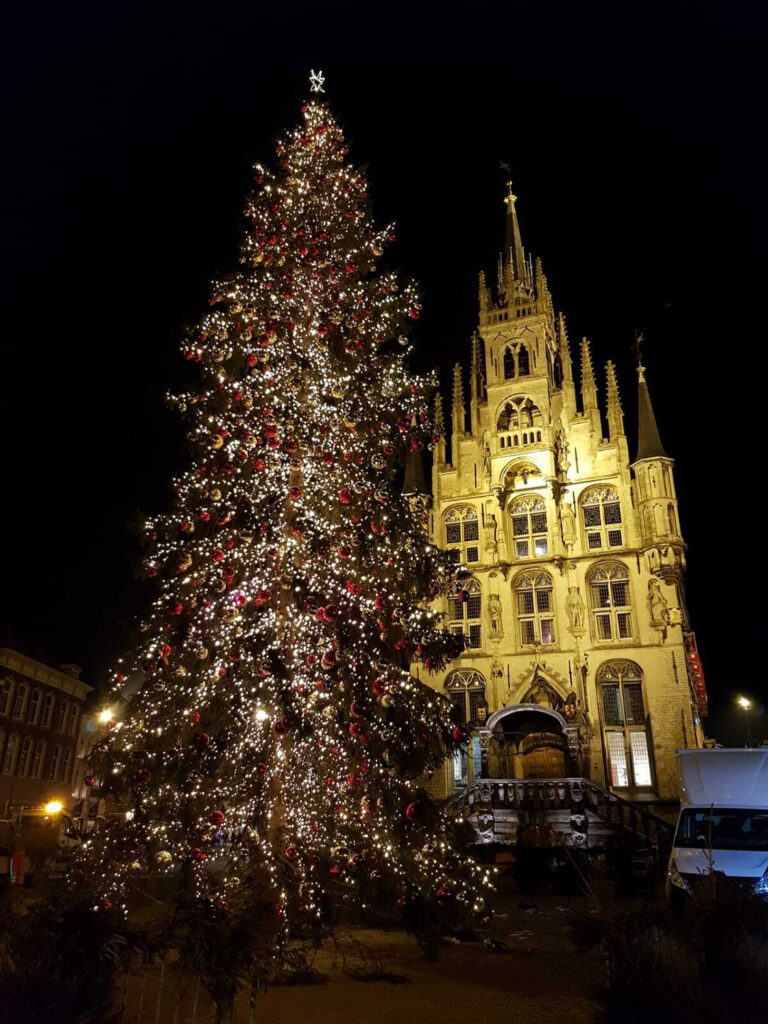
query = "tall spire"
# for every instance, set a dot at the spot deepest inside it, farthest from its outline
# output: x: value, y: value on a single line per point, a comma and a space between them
x: 649, y: 444
x: 513, y: 247
x: 564, y: 349
x: 458, y: 415
x: 439, y: 436
x: 589, y: 388
x: 615, y: 413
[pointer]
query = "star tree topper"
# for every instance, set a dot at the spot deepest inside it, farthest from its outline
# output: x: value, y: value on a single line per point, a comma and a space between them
x: 316, y: 81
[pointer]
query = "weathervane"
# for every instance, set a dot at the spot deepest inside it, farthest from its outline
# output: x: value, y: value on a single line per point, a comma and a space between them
x: 316, y: 81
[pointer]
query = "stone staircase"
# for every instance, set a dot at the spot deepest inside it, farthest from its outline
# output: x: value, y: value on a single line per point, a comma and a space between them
x: 577, y: 810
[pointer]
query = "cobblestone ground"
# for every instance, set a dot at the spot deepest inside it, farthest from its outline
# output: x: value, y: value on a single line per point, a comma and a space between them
x: 539, y: 977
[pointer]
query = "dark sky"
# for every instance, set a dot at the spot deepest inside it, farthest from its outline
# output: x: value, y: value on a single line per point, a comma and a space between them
x: 635, y: 133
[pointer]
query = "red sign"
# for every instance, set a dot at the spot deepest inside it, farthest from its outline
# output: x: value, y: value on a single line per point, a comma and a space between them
x: 696, y: 672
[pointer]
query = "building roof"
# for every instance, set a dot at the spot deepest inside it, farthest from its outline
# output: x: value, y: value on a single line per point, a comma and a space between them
x: 649, y: 444
x: 36, y: 671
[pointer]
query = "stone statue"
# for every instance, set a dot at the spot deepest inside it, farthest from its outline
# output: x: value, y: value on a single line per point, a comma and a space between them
x: 494, y: 611
x: 657, y: 603
x: 562, y: 465
x: 568, y: 524
x: 491, y: 535
x: 487, y: 462
x: 574, y: 608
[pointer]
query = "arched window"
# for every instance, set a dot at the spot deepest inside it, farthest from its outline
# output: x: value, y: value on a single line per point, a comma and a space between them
x: 25, y: 757
x: 519, y: 412
x: 65, y: 763
x: 45, y: 718
x: 523, y: 362
x: 462, y: 534
x: 535, y: 609
x: 620, y: 686
x: 557, y: 372
x: 466, y: 690
x: 34, y: 707
x: 53, y: 766
x: 465, y: 612
x: 509, y: 364
x: 610, y: 601
x: 20, y: 703
x: 72, y: 719
x: 38, y: 759
x: 529, y: 527
x: 6, y: 690
x: 601, y: 511
x: 9, y: 758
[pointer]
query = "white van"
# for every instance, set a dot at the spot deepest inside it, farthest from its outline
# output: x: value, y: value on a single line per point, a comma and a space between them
x: 723, y: 823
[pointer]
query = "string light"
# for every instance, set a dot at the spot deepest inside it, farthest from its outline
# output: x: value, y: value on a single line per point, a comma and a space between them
x: 279, y: 730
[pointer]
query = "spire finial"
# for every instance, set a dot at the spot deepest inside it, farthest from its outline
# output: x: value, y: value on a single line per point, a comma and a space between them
x: 639, y: 339
x: 615, y: 413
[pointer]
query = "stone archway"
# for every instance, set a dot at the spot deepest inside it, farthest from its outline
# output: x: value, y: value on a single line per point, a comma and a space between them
x: 528, y: 741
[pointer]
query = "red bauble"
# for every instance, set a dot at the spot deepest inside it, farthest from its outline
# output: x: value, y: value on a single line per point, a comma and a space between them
x: 411, y: 811
x: 294, y: 493
x: 201, y: 740
x: 216, y: 818
x: 281, y: 727
x: 345, y: 496
x: 143, y: 776
x: 291, y: 853
x: 89, y: 780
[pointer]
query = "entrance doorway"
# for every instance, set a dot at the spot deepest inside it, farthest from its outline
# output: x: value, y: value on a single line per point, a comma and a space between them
x: 528, y: 742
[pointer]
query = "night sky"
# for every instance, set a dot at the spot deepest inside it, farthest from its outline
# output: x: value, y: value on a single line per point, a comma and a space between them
x: 635, y: 136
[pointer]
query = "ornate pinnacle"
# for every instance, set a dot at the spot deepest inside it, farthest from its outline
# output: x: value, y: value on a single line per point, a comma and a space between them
x: 439, y: 420
x: 615, y: 414
x: 587, y: 373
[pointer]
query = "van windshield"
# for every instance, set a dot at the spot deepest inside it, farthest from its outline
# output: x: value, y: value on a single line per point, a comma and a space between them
x: 723, y: 828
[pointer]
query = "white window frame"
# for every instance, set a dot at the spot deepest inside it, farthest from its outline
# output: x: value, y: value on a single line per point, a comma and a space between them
x: 466, y: 617
x: 6, y: 696
x: 626, y: 733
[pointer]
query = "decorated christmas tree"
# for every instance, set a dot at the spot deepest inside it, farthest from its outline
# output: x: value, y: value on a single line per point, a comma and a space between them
x: 277, y: 737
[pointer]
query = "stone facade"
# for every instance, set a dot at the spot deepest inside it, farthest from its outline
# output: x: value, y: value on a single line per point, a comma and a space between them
x: 571, y: 588
x: 40, y: 711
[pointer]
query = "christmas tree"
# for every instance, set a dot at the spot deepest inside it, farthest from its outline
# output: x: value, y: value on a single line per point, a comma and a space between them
x: 277, y: 739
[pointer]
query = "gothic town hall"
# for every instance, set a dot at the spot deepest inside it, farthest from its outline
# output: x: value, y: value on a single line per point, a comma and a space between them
x: 580, y: 665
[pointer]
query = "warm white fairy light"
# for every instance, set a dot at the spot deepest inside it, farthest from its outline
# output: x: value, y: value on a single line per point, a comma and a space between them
x: 278, y: 714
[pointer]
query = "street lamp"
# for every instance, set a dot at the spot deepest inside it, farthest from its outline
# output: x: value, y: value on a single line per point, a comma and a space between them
x: 745, y: 704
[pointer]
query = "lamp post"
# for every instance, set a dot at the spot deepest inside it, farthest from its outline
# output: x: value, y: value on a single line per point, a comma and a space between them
x: 745, y: 706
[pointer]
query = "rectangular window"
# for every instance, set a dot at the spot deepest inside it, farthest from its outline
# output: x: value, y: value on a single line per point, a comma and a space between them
x: 612, y: 513
x: 540, y: 546
x: 37, y: 760
x: 525, y: 602
x: 617, y: 759
x: 9, y: 760
x: 603, y: 626
x: 454, y: 555
x: 641, y: 762
x: 460, y: 767
x: 601, y: 595
x: 592, y: 515
x: 473, y: 554
x: 61, y: 718
x: 5, y: 696
x: 474, y: 636
x: 473, y: 606
x: 471, y: 530
x: 547, y: 632
x: 457, y: 699
x: 456, y: 608
x: 53, y: 767
x: 476, y: 701
x: 72, y: 720
x: 538, y: 522
x: 21, y: 701
x: 543, y: 600
x: 65, y: 760
x: 25, y: 756
x: 453, y: 533
x: 593, y: 541
x: 624, y: 621
x: 521, y: 549
x: 614, y: 538
x: 520, y: 526
x: 633, y: 704
x: 611, y: 705
x: 620, y: 592
x: 527, y: 632
x: 45, y: 718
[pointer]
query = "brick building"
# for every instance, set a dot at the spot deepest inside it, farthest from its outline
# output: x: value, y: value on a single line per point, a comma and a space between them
x: 40, y: 711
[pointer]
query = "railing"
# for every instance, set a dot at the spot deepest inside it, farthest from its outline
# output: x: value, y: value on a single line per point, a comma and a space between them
x: 577, y: 795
